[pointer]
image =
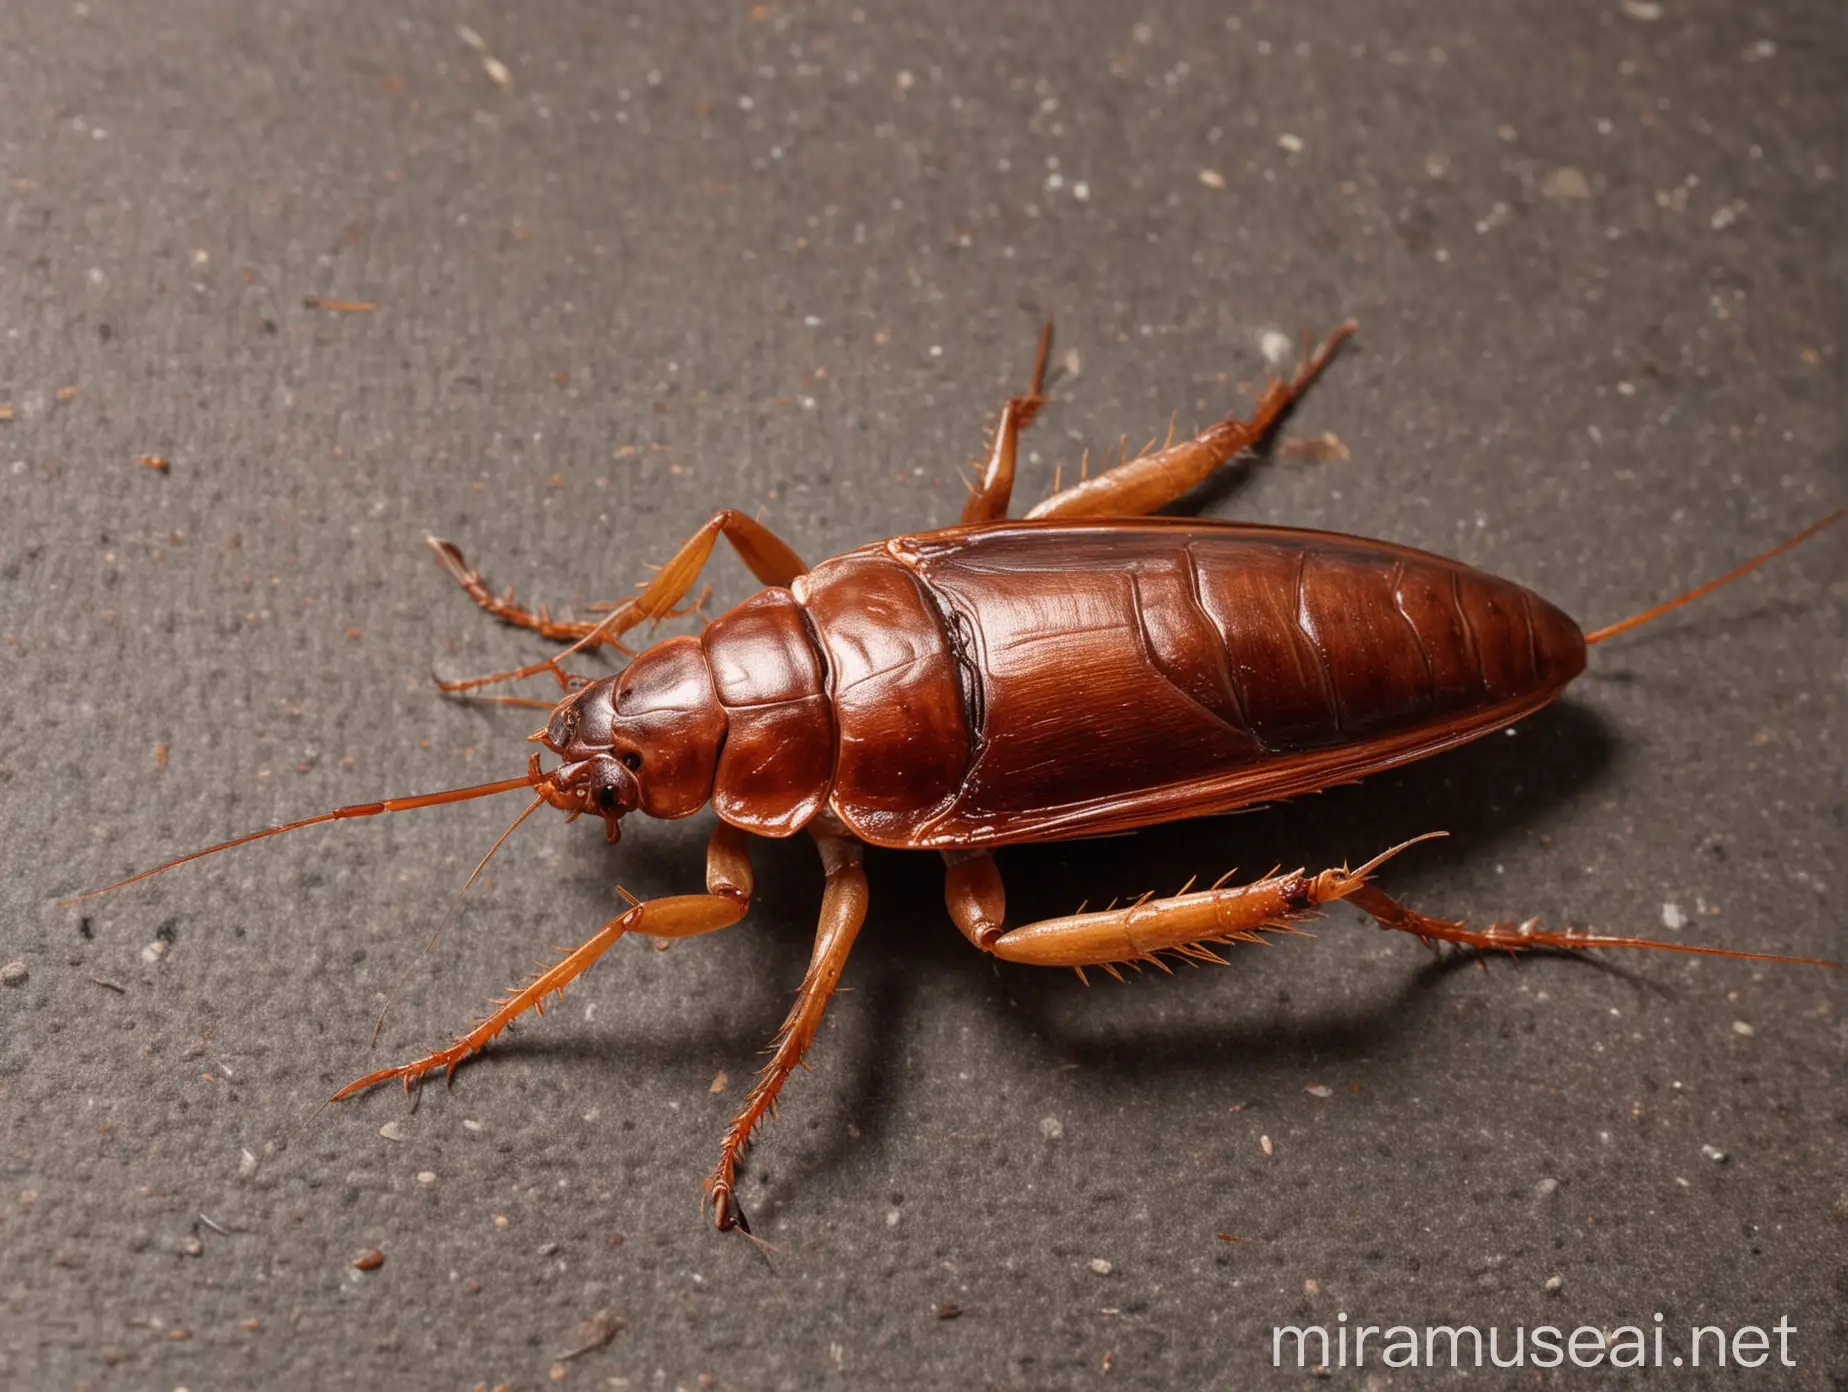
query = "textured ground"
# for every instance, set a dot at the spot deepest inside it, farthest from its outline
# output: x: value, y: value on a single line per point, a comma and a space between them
x: 630, y: 267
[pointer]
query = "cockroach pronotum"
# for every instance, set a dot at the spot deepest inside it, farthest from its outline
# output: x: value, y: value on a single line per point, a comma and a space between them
x: 918, y: 693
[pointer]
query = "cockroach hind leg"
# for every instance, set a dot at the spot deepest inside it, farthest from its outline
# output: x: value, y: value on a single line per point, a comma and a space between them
x: 1515, y: 938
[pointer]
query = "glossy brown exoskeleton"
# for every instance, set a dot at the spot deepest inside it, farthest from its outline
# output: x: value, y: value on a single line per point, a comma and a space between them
x: 1089, y: 669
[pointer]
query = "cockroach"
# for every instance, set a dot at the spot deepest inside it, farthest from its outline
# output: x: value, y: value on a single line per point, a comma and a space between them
x: 1088, y: 669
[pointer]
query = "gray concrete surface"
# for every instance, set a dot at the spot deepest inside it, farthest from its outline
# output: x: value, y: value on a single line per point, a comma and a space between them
x: 630, y: 264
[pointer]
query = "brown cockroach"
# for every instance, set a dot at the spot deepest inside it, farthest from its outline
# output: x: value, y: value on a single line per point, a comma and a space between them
x: 918, y: 693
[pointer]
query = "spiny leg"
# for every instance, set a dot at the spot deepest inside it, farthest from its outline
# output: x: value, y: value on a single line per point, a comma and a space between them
x: 1140, y: 485
x: 502, y: 607
x: 1185, y: 925
x: 1517, y: 937
x: 769, y: 557
x: 988, y: 500
x: 728, y: 886
x: 843, y: 908
x: 1189, y: 925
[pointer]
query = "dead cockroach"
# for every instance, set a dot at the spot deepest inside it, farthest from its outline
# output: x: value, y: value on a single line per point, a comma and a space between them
x: 917, y: 693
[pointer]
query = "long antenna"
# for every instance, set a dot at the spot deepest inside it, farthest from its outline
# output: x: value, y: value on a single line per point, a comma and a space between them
x: 1612, y: 630
x: 340, y: 814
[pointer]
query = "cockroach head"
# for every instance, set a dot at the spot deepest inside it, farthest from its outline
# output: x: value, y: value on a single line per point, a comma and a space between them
x: 646, y: 738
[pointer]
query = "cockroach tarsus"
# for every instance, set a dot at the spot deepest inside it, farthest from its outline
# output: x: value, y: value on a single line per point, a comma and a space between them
x: 919, y: 693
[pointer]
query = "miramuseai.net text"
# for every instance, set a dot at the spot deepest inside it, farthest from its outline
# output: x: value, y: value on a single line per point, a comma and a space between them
x: 1350, y: 1344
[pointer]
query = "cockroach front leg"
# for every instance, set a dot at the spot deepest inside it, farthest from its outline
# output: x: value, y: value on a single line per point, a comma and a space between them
x: 1138, y: 486
x: 769, y: 557
x: 728, y: 895
x: 988, y: 500
x: 843, y: 908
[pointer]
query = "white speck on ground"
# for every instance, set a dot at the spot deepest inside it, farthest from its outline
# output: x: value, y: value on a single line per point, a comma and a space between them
x: 1714, y: 1153
x: 1318, y: 1090
x: 1277, y: 348
x: 1743, y: 1030
x: 392, y: 1131
x: 14, y: 974
x: 1646, y: 10
x: 1292, y: 143
x: 1672, y: 917
x: 1099, y: 1266
x: 1052, y: 1128
x: 1212, y: 178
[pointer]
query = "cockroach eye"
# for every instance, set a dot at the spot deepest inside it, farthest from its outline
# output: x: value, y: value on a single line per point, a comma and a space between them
x: 608, y: 799
x: 631, y: 761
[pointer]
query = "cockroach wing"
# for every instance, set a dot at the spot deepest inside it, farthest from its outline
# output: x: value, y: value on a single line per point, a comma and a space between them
x: 1116, y: 674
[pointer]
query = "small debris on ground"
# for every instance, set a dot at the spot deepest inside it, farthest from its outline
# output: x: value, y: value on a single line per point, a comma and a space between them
x: 946, y: 1310
x: 1566, y: 185
x: 68, y: 393
x: 339, y: 306
x: 1099, y: 1267
x: 1212, y: 178
x: 368, y: 1259
x: 392, y: 1131
x: 595, y: 1332
x: 1554, y: 1284
x: 1326, y: 448
x: 1743, y: 1030
x: 14, y: 974
x: 1264, y: 1144
x: 1714, y: 1153
x: 6, y: 412
x: 719, y: 1080
x: 157, y: 462
x: 1319, y: 1090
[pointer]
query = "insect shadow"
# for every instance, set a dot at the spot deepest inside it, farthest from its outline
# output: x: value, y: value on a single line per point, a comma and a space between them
x: 1487, y: 795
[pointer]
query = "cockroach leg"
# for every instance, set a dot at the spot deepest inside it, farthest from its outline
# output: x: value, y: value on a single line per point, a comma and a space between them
x: 1524, y: 937
x: 1184, y: 925
x: 1189, y: 926
x: 728, y: 880
x: 1155, y: 478
x: 769, y: 557
x: 988, y: 500
x: 843, y: 908
x: 502, y: 607
x: 975, y: 896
